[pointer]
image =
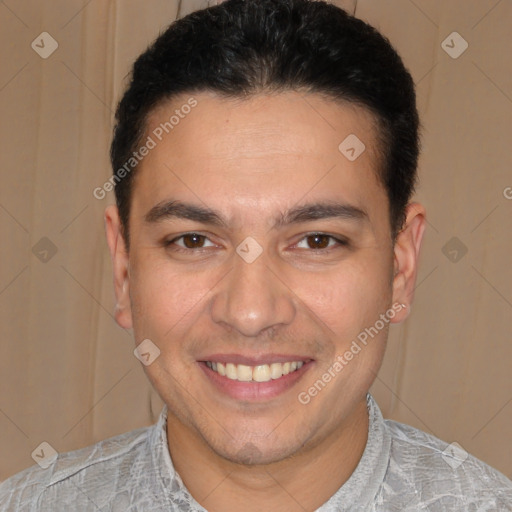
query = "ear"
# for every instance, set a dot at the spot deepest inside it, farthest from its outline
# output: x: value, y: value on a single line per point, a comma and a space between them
x: 406, y: 254
x: 120, y: 265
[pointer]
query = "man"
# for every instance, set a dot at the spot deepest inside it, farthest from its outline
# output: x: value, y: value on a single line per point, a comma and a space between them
x: 262, y: 243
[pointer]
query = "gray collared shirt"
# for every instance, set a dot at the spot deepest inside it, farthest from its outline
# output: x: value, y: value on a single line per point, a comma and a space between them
x: 401, y: 469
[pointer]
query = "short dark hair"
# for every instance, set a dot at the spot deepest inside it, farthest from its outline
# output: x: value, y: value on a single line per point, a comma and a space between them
x: 242, y: 47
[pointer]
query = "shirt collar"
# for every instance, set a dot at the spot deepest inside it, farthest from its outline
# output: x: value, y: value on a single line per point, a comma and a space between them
x: 361, y: 489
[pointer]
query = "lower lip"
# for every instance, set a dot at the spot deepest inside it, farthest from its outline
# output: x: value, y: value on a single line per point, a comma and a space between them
x: 254, y: 391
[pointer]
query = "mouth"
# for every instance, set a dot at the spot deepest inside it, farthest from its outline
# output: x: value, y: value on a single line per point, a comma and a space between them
x: 254, y: 380
x: 258, y: 373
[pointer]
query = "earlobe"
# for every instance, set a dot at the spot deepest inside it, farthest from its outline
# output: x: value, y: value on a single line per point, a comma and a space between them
x: 120, y: 267
x: 406, y: 254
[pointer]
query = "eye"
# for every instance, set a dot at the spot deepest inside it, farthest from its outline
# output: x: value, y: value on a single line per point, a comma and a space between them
x: 320, y: 241
x: 191, y: 241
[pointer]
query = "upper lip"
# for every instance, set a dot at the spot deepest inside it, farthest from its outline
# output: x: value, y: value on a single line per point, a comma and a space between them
x: 255, y: 360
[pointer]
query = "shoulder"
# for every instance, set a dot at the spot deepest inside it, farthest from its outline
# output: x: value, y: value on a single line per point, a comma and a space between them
x: 66, y: 478
x: 442, y: 474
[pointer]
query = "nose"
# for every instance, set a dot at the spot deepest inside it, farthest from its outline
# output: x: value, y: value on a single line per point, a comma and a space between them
x: 253, y: 298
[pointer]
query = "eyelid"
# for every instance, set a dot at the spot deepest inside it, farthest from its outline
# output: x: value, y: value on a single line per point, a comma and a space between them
x: 173, y: 241
x: 340, y: 240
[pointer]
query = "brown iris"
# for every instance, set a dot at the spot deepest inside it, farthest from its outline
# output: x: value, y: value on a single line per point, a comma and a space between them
x: 193, y: 240
x: 318, y: 241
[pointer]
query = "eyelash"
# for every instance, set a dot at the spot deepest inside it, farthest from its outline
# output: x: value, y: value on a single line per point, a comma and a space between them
x: 340, y: 241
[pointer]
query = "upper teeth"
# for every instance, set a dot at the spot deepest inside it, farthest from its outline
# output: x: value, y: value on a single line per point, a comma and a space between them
x: 260, y: 373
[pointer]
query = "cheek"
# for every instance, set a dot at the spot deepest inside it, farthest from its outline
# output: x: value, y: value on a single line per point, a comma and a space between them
x: 164, y: 300
x: 348, y: 297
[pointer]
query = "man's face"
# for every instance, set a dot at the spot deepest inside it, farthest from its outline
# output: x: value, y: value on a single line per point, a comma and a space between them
x: 266, y: 280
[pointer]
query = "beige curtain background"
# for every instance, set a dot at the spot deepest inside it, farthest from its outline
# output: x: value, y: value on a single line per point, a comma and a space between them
x: 68, y: 375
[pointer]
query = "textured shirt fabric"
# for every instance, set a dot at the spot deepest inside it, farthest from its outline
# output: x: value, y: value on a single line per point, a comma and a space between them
x: 401, y: 469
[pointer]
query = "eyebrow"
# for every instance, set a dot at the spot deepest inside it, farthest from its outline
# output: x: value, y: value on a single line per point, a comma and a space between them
x: 167, y: 210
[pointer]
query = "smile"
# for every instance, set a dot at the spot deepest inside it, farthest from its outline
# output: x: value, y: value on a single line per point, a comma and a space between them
x: 258, y: 373
x: 252, y: 378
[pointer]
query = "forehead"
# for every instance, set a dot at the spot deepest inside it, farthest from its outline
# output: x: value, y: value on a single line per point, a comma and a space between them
x: 264, y: 124
x: 270, y: 150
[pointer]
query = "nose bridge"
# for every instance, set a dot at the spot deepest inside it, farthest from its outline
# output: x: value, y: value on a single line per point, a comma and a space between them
x: 251, y: 298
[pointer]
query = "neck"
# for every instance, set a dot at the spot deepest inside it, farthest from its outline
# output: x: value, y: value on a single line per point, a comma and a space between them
x: 299, y: 483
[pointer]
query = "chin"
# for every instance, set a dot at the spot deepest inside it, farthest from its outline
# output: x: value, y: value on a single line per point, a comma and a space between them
x: 256, y: 452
